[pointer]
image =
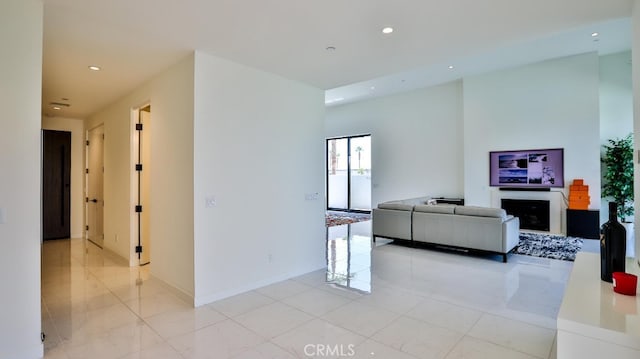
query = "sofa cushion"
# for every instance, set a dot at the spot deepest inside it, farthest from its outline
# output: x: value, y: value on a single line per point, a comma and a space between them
x: 415, y: 201
x: 481, y: 211
x: 445, y: 209
x: 396, y: 206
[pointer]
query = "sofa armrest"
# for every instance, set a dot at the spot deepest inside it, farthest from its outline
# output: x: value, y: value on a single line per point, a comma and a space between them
x: 510, y: 233
x: 390, y: 223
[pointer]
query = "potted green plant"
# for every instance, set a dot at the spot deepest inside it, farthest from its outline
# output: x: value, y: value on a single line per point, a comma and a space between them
x: 618, y: 175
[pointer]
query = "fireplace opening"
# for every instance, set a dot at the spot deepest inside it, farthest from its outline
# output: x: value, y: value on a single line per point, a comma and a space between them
x: 533, y: 214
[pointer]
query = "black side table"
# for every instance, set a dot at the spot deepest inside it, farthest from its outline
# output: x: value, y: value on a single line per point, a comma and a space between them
x: 583, y: 223
x: 443, y: 200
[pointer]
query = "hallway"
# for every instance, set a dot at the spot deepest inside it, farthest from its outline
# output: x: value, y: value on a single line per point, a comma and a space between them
x: 93, y: 306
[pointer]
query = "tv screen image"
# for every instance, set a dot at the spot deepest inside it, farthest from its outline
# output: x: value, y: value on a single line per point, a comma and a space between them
x: 542, y: 168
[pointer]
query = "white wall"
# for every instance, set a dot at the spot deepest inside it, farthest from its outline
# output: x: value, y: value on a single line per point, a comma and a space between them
x: 635, y: 68
x: 116, y: 176
x: 76, y: 127
x: 544, y: 105
x: 416, y: 140
x: 616, y: 96
x: 171, y: 97
x: 20, y: 161
x: 616, y: 104
x: 258, y: 149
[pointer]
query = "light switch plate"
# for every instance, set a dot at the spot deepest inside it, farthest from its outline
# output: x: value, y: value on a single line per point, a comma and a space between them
x: 210, y: 201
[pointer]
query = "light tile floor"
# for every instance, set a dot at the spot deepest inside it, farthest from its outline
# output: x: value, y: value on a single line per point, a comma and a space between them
x: 380, y: 301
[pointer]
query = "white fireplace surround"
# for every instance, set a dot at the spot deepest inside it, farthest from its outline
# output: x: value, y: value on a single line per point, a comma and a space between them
x: 557, y: 206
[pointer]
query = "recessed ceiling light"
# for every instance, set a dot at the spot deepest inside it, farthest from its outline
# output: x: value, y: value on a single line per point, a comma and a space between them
x: 387, y: 30
x: 373, y: 87
x: 451, y: 67
x: 330, y: 48
x: 94, y: 68
x: 594, y: 34
x: 56, y: 108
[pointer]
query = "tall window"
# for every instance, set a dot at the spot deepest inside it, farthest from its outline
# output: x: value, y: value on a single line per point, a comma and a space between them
x: 349, y: 173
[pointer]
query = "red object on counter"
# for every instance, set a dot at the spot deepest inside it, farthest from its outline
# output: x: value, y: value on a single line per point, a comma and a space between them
x: 625, y: 283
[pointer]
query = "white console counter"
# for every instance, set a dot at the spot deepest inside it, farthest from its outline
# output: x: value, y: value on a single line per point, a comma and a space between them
x: 594, y: 321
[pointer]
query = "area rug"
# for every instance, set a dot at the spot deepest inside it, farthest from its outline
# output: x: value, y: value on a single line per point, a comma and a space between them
x: 340, y: 218
x: 548, y: 246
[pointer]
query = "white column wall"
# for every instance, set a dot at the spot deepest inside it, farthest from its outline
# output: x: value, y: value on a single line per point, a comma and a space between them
x: 616, y: 104
x: 616, y: 96
x: 258, y: 150
x: 635, y: 50
x: 20, y: 163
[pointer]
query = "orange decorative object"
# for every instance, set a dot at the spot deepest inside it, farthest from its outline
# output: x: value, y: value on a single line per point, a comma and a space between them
x: 579, y: 195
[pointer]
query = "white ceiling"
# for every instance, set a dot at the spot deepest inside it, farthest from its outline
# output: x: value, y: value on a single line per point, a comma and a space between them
x: 132, y: 40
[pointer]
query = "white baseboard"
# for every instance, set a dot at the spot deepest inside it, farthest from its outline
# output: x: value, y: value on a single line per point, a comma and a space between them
x: 210, y: 298
x: 114, y: 256
x: 176, y: 291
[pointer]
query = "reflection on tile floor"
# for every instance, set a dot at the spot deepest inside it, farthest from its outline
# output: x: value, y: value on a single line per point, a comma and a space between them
x: 349, y: 256
x: 373, y: 301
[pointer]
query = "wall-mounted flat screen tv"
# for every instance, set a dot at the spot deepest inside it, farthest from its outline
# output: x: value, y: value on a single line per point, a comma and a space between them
x: 542, y: 168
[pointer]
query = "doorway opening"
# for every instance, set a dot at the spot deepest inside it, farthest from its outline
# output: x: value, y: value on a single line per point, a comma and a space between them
x: 56, y: 184
x: 141, y: 157
x: 94, y: 197
x: 349, y: 173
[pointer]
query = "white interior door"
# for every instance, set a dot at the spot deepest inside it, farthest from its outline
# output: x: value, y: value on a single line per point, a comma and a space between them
x: 145, y: 187
x: 95, y: 186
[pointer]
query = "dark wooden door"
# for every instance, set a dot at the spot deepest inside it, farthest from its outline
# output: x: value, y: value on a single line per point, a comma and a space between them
x: 56, y: 184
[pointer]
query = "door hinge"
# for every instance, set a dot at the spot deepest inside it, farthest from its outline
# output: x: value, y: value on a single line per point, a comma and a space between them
x: 138, y: 127
x: 87, y: 142
x: 86, y: 228
x: 42, y: 336
x: 138, y: 209
x: 86, y: 199
x: 138, y: 167
x: 138, y: 249
x: 86, y: 171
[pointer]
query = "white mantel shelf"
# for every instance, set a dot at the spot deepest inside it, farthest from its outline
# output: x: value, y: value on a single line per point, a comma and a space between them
x: 594, y: 321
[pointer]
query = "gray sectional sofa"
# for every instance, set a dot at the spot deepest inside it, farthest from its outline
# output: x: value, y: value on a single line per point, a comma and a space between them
x: 393, y: 219
x: 469, y: 227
